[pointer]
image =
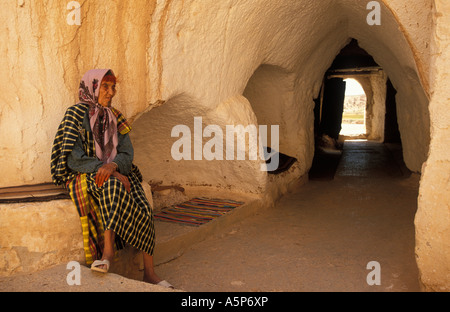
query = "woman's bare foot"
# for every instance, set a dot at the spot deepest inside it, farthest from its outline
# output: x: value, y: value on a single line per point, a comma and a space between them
x: 152, y: 278
x: 149, y: 272
x: 108, y: 250
x: 102, y: 265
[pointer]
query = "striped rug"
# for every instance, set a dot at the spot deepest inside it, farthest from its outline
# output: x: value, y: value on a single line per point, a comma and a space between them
x: 197, y: 211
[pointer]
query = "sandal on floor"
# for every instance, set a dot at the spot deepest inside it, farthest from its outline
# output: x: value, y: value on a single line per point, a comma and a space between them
x: 166, y: 284
x: 97, y: 263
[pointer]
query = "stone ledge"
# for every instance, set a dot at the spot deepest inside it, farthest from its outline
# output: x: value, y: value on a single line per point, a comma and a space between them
x: 54, y: 279
x: 38, y: 236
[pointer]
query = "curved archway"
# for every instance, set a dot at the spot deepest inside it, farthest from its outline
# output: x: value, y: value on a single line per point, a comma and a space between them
x: 269, y: 92
x: 300, y: 41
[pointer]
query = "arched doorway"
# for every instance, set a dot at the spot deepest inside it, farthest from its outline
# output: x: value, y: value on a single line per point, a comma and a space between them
x: 354, y: 115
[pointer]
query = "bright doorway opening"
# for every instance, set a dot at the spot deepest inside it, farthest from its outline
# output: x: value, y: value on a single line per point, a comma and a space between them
x: 354, y: 115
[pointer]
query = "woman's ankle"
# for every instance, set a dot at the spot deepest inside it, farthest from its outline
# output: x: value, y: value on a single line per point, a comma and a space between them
x: 108, y: 255
x: 151, y: 278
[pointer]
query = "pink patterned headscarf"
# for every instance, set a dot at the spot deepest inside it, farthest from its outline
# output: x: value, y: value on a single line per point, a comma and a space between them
x: 102, y: 120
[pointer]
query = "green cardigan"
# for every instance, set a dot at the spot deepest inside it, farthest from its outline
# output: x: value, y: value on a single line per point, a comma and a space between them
x: 78, y: 160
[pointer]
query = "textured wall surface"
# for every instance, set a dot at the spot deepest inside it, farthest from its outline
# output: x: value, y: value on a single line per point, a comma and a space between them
x: 205, y: 51
x: 433, y: 216
x: 35, y: 236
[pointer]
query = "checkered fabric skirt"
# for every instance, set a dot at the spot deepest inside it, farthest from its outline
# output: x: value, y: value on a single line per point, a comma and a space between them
x: 111, y: 207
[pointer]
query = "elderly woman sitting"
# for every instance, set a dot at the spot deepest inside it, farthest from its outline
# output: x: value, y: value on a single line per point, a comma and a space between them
x: 92, y: 157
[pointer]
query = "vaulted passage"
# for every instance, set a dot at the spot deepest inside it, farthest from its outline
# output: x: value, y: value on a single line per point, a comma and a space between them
x: 291, y: 75
x: 279, y: 78
x: 295, y: 81
x: 378, y: 113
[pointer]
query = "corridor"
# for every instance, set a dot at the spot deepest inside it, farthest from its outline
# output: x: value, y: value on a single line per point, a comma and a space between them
x: 320, y: 237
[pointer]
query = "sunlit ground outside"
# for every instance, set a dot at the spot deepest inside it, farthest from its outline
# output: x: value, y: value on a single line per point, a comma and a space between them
x: 353, y: 118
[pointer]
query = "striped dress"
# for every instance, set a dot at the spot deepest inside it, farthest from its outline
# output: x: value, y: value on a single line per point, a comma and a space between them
x: 109, y: 207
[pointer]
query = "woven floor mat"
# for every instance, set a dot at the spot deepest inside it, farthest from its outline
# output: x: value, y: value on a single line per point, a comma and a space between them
x: 197, y: 211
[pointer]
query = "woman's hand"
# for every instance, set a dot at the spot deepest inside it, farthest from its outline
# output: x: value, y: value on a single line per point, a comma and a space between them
x: 124, y: 180
x: 104, y: 173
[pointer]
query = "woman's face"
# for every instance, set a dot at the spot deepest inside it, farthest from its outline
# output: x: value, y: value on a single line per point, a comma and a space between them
x: 106, y: 93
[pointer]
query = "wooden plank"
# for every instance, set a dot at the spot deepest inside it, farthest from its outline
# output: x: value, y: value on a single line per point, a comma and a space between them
x: 30, y: 188
x: 32, y: 193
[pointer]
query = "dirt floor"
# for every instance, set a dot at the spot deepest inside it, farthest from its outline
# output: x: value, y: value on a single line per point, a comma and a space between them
x: 320, y: 237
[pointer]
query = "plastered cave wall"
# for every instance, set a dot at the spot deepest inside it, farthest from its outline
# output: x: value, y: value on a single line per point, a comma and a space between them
x: 230, y: 62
